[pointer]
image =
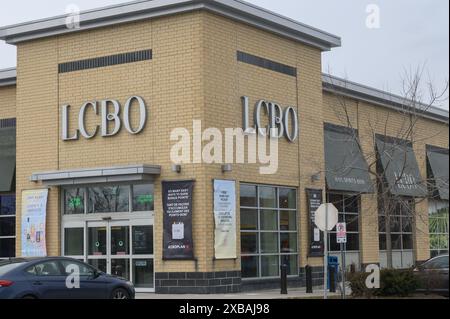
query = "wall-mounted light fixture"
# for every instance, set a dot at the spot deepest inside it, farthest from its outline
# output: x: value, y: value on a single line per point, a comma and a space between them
x: 176, y: 168
x: 227, y: 168
x: 316, y: 177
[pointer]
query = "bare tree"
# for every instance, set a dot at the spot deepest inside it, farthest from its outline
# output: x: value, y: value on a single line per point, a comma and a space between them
x: 414, y: 104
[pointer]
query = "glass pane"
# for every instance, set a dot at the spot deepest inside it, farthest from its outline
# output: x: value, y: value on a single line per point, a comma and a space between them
x: 395, y: 224
x: 83, y: 269
x: 143, y: 273
x: 48, y: 268
x: 248, y: 195
x: 99, y: 264
x: 249, y: 219
x: 270, y: 266
x: 407, y: 225
x: 7, y: 247
x: 352, y: 242
x: 382, y: 239
x: 74, y: 201
x: 267, y: 197
x: 7, y: 204
x: 351, y: 204
x: 120, y: 244
x: 143, y: 198
x: 143, y: 240
x: 352, y: 223
x: 97, y: 241
x: 73, y: 241
x: 407, y: 242
x: 337, y: 200
x: 249, y: 243
x: 332, y: 243
x: 292, y: 262
x: 7, y: 226
x: 288, y: 198
x: 249, y: 266
x: 396, y: 241
x: 434, y: 241
x: 109, y: 199
x: 288, y: 220
x: 120, y: 268
x: 269, y: 243
x: 288, y: 242
x: 269, y: 220
x: 382, y: 224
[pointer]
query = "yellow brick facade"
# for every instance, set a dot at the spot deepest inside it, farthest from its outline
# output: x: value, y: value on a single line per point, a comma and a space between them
x: 193, y: 75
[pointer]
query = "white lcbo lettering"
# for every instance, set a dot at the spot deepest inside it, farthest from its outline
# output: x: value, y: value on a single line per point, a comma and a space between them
x: 110, y: 113
x: 280, y: 123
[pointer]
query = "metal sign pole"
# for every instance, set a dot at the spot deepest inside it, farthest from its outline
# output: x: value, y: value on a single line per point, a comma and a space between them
x: 325, y: 256
x: 344, y: 268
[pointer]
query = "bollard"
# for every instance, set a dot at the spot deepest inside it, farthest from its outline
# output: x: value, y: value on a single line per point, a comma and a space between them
x: 332, y: 275
x: 284, y: 279
x: 309, y: 281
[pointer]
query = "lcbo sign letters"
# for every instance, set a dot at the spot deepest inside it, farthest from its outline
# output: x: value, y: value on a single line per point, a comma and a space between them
x: 281, y: 123
x: 106, y: 117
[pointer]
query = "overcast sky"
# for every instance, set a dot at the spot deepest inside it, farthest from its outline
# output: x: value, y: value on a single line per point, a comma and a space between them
x: 411, y: 33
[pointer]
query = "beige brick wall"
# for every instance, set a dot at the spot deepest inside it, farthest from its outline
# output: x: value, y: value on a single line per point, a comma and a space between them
x: 8, y: 102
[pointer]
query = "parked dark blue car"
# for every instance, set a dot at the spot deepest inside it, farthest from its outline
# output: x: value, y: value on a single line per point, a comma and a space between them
x: 53, y: 278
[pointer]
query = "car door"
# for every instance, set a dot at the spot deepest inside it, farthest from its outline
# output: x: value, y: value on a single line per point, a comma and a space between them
x: 47, y: 280
x: 441, y: 274
x: 93, y: 284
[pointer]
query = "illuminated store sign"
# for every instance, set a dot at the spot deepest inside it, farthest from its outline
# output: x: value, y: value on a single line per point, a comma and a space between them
x: 107, y: 116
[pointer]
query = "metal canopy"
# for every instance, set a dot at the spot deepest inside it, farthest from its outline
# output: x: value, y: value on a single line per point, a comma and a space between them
x: 400, y: 167
x: 346, y: 168
x: 116, y: 174
x: 438, y: 160
x: 7, y: 158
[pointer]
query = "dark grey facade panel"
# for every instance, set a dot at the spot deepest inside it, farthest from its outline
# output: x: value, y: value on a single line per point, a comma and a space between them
x: 4, y: 123
x: 400, y: 167
x: 439, y: 164
x: 266, y: 64
x: 105, y: 61
x: 346, y: 167
x: 7, y: 158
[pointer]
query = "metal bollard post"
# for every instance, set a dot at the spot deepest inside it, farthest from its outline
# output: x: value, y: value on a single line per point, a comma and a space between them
x: 309, y: 281
x: 332, y: 275
x: 284, y: 279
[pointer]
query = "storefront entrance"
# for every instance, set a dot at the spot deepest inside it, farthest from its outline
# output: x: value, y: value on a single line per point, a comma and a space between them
x: 117, y: 243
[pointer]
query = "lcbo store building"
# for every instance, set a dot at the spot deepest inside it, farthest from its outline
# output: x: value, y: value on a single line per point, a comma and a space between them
x: 186, y: 144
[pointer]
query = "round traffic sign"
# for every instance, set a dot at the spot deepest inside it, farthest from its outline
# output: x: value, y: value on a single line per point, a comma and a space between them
x: 320, y: 218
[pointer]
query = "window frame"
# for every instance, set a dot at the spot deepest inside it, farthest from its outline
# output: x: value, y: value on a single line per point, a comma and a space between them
x: 278, y: 231
x: 434, y: 204
x: 14, y: 237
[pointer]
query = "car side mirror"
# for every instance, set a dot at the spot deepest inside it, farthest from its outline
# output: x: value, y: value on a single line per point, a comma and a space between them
x: 96, y: 274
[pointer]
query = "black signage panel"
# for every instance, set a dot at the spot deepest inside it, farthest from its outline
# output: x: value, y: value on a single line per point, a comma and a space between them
x: 177, y: 220
x: 316, y: 244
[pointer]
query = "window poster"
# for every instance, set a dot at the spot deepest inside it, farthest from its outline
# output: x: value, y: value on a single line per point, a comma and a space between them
x: 34, y: 211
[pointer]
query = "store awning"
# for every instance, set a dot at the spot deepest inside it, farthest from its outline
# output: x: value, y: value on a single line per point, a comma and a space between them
x: 346, y: 168
x: 438, y: 161
x: 98, y: 175
x: 400, y: 167
x: 7, y: 158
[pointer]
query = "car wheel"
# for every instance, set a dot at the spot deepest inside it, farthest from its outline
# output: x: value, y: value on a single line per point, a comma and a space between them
x: 29, y: 297
x: 120, y: 293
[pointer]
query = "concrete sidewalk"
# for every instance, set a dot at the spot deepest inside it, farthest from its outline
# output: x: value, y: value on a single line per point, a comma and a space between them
x: 293, y: 293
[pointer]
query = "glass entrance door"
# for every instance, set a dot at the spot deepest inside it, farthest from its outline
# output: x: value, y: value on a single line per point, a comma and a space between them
x: 120, y: 248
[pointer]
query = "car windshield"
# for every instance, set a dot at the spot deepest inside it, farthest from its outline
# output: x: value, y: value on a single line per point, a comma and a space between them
x: 7, y: 267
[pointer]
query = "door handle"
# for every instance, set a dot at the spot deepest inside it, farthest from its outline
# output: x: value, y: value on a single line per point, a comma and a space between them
x: 37, y: 283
